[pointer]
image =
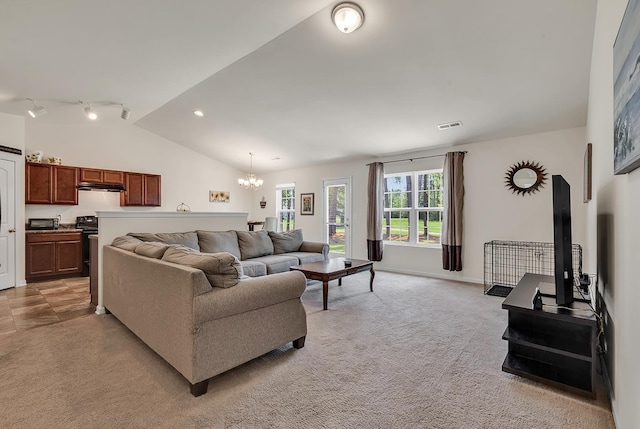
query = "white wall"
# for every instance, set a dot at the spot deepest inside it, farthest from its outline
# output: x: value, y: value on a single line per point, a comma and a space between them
x: 12, y: 134
x: 186, y: 175
x: 612, y: 225
x: 492, y: 212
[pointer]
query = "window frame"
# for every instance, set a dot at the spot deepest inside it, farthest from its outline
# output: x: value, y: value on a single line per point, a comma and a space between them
x: 413, y: 209
x: 292, y: 210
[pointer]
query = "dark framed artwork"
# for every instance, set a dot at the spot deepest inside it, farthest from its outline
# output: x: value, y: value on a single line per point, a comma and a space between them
x: 586, y: 190
x: 626, y: 92
x: 306, y: 204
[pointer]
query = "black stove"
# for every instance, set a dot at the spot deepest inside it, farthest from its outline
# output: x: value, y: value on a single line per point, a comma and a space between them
x: 88, y: 225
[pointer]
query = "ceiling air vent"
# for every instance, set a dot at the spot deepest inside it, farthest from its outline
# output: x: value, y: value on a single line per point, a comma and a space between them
x: 449, y: 125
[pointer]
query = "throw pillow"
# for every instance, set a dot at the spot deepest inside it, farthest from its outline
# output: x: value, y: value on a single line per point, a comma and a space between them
x: 285, y: 242
x: 151, y: 249
x: 126, y: 243
x: 189, y: 239
x: 219, y: 241
x: 221, y: 269
x: 254, y: 244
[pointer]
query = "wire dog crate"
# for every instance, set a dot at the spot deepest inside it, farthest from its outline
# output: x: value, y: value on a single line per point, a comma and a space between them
x: 505, y: 262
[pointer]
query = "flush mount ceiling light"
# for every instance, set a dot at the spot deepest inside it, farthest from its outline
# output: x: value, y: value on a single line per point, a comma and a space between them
x: 36, y: 110
x: 198, y: 113
x: 348, y: 17
x: 250, y: 181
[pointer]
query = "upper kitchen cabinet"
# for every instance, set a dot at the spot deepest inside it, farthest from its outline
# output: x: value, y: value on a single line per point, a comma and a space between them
x: 51, y: 184
x: 141, y: 190
x: 94, y: 175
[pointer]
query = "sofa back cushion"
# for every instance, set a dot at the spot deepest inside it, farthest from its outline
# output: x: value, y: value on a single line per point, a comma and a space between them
x: 151, y: 249
x: 126, y: 242
x: 189, y: 239
x: 219, y: 241
x: 221, y: 269
x: 254, y: 244
x: 285, y: 242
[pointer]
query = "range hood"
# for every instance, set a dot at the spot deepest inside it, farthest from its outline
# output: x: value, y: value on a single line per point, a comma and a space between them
x: 104, y: 187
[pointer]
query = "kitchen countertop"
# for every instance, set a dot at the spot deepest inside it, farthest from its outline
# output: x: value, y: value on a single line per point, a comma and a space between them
x: 52, y: 231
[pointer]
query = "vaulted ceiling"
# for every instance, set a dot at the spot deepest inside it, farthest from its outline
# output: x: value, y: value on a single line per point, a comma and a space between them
x: 275, y: 77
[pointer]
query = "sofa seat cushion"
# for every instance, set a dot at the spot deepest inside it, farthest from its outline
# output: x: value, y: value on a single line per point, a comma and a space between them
x: 285, y: 242
x: 254, y: 244
x: 250, y: 294
x: 307, y: 257
x: 254, y: 268
x: 277, y: 263
x: 223, y: 270
x: 219, y: 241
x: 189, y: 239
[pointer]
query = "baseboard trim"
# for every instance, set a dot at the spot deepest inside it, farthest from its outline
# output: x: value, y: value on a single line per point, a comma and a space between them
x: 21, y: 283
x: 609, y: 386
x: 433, y: 275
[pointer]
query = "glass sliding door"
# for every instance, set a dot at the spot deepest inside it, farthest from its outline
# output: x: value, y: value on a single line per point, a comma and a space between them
x: 337, y: 215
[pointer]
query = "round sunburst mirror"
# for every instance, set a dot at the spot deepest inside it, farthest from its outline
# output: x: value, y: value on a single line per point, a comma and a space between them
x: 525, y: 177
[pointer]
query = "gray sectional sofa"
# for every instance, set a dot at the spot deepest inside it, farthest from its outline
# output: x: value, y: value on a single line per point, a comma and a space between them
x: 205, y: 302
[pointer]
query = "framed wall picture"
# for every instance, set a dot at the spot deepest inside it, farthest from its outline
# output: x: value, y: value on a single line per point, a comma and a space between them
x: 306, y: 204
x: 626, y: 92
x: 219, y: 196
x: 587, y: 174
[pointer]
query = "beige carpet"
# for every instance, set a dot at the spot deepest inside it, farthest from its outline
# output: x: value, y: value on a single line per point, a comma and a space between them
x: 416, y: 353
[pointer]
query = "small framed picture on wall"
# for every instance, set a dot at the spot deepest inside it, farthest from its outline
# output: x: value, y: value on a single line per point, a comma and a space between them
x: 306, y: 204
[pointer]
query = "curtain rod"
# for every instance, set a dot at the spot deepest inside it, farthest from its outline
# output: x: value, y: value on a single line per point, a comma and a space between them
x: 412, y: 159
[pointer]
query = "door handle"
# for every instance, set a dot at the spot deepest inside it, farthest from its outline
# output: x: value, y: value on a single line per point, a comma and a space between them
x: 12, y: 230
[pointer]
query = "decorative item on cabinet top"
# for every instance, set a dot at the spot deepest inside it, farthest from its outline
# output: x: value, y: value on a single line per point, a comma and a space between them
x: 183, y: 208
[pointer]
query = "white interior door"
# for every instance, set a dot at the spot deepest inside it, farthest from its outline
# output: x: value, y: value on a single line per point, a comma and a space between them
x: 7, y: 224
x: 337, y: 216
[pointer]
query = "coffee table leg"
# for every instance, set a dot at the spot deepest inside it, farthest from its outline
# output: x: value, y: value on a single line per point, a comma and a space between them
x: 340, y: 281
x: 373, y: 274
x: 325, y: 293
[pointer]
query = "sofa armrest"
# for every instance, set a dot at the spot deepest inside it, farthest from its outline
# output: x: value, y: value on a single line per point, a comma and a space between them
x: 249, y: 294
x: 315, y: 247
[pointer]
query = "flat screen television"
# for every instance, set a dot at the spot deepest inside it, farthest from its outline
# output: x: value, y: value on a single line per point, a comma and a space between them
x: 562, y: 240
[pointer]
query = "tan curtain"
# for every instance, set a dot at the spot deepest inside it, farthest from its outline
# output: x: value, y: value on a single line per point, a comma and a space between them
x: 375, y: 208
x: 453, y: 179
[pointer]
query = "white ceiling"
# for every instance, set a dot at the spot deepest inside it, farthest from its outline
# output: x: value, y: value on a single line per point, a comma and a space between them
x: 275, y: 77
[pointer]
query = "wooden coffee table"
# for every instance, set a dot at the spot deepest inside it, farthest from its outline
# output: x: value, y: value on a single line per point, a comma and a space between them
x: 332, y: 269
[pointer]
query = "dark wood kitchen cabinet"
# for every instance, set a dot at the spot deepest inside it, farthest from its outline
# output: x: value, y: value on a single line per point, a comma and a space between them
x: 94, y: 175
x: 51, y: 184
x: 141, y: 190
x: 53, y: 254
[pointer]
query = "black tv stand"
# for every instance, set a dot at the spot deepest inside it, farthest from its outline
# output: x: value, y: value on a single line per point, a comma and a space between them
x: 553, y: 345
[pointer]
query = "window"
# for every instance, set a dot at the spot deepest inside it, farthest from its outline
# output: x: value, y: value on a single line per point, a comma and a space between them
x: 413, y: 205
x: 286, y: 210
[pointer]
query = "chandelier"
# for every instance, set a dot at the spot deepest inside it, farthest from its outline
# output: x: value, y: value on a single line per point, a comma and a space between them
x: 249, y: 181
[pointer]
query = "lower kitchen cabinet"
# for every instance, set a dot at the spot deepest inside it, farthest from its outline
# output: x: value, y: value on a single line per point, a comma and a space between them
x: 53, y: 255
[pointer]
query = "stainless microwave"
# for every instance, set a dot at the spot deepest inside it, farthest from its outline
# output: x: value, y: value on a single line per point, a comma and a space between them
x: 49, y: 223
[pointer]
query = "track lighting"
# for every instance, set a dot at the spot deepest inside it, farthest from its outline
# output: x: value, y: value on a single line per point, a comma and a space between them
x: 36, y: 110
x: 90, y: 113
x: 125, y: 112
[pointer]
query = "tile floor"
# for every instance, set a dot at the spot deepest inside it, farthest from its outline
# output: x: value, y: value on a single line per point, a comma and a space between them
x: 43, y: 303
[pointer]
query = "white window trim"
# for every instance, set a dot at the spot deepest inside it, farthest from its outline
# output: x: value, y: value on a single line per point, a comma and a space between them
x: 413, y: 211
x: 279, y: 210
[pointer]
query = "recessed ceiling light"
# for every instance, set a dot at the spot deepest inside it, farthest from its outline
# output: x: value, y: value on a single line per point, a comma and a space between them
x: 199, y: 113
